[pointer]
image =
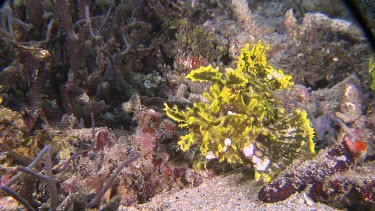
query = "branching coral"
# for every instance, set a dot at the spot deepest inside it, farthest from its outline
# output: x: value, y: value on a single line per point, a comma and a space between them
x: 33, y: 168
x: 243, y: 121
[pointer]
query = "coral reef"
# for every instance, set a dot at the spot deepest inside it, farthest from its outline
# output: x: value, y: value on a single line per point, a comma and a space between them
x: 332, y: 173
x: 298, y: 176
x: 63, y: 62
x: 329, y: 8
x: 243, y: 120
x: 243, y: 14
x: 333, y: 176
x: 353, y: 189
x: 321, y: 54
x: 153, y: 169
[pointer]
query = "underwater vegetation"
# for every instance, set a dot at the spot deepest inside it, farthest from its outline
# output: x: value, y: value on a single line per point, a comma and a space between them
x: 244, y: 121
x: 63, y: 62
x: 372, y: 72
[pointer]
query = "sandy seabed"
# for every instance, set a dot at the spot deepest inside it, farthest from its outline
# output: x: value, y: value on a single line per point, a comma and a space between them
x: 232, y: 192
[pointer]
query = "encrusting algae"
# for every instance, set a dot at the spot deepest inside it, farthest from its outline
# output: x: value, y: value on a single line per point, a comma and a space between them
x: 243, y: 122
